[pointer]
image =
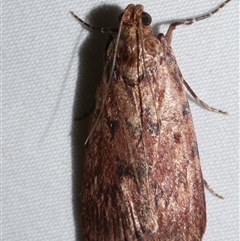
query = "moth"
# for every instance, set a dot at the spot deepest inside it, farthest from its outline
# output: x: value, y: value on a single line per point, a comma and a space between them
x: 142, y: 174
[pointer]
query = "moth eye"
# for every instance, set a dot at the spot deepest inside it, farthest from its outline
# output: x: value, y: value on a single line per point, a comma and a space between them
x: 146, y: 19
x: 120, y: 17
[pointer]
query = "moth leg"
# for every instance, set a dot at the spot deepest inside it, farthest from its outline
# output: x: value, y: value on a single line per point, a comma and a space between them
x: 201, y: 102
x: 192, y: 20
x: 211, y: 190
x: 101, y: 29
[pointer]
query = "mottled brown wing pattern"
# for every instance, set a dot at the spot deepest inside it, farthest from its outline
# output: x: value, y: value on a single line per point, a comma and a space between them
x: 142, y: 175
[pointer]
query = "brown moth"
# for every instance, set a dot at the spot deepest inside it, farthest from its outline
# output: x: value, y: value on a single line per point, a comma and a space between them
x: 142, y: 175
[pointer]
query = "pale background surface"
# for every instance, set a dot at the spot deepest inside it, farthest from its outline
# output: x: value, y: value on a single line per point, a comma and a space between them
x: 50, y: 69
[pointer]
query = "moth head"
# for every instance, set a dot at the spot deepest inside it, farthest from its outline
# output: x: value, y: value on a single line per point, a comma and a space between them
x: 135, y: 14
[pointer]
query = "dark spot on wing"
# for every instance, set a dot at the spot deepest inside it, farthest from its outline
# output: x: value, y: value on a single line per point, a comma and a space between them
x: 177, y: 137
x: 113, y: 125
x: 123, y: 169
x: 136, y: 170
x: 153, y: 128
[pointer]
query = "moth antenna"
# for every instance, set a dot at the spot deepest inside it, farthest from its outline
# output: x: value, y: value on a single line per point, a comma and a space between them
x: 204, y: 16
x: 192, y: 20
x: 105, y: 30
